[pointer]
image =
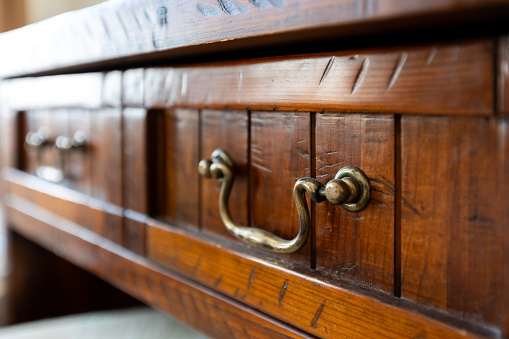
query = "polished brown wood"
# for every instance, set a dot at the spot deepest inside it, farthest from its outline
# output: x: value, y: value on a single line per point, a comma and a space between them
x: 451, y: 229
x: 133, y: 232
x: 504, y: 201
x: 357, y: 246
x: 280, y: 148
x: 181, y: 179
x: 79, y: 162
x: 116, y: 30
x: 106, y: 152
x: 228, y: 130
x: 134, y: 159
x: 452, y: 78
x: 306, y: 300
x: 179, y: 297
x: 503, y: 75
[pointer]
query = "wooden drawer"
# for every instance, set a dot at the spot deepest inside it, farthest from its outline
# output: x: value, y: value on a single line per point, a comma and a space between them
x: 415, y: 258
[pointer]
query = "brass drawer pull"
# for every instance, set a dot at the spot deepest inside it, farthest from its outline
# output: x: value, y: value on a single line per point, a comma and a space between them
x: 35, y: 142
x: 350, y: 188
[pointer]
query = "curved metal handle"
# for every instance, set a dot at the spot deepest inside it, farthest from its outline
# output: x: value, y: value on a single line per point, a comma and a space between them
x: 350, y: 189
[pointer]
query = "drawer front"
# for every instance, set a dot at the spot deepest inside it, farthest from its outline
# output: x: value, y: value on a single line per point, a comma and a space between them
x: 92, y: 169
x: 271, y: 151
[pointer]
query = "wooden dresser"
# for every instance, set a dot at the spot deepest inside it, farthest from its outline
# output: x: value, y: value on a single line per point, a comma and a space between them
x: 115, y: 120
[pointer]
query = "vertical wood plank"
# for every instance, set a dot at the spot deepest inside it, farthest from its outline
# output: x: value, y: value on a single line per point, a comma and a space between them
x: 504, y: 180
x: 182, y: 157
x: 135, y: 159
x: 78, y: 161
x: 106, y: 155
x: 503, y: 76
x: 227, y: 130
x: 280, y: 155
x: 357, y: 246
x: 452, y: 236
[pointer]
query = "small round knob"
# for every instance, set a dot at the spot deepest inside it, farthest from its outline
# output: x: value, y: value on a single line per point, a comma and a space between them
x: 204, y: 168
x: 337, y: 191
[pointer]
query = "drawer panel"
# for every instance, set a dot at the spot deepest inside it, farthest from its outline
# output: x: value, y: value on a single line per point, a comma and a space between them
x: 357, y: 246
x: 280, y: 155
x: 452, y: 233
x: 92, y: 170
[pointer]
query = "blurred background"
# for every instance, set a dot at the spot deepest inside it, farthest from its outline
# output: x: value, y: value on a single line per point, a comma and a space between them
x: 18, y: 13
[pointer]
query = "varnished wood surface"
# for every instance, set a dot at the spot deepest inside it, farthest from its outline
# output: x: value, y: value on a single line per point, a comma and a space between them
x: 455, y: 78
x: 135, y: 159
x: 118, y: 29
x: 357, y: 246
x: 280, y: 155
x: 306, y: 300
x: 180, y: 180
x: 503, y: 75
x: 451, y: 229
x: 202, y: 309
x: 438, y: 79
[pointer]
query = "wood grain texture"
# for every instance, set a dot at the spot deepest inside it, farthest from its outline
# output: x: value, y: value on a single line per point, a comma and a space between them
x: 106, y: 152
x: 79, y: 162
x: 452, y: 235
x: 135, y: 159
x: 227, y: 130
x: 503, y: 76
x: 181, y: 179
x: 301, y: 298
x: 504, y: 180
x: 133, y: 232
x: 357, y: 246
x: 280, y: 155
x: 438, y: 79
x: 121, y: 29
x: 202, y: 309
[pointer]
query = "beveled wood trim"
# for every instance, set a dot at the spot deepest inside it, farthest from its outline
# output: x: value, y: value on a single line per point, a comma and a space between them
x: 205, y: 310
x: 124, y: 29
x: 435, y: 79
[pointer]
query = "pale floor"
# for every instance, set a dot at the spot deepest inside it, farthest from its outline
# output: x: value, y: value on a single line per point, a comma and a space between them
x: 135, y: 323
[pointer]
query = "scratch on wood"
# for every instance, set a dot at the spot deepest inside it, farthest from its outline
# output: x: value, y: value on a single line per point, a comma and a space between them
x: 251, y: 278
x: 327, y: 69
x: 193, y: 300
x: 329, y: 153
x: 147, y: 15
x: 218, y: 281
x: 207, y: 10
x: 328, y: 166
x: 231, y: 7
x: 283, y: 291
x: 106, y: 30
x: 397, y: 70
x: 137, y: 22
x: 317, y: 314
x: 261, y: 167
x: 259, y: 3
x: 360, y: 75
x: 431, y: 56
x: 247, y: 333
x: 195, y: 270
x: 410, y: 207
x: 168, y: 297
x: 303, y: 153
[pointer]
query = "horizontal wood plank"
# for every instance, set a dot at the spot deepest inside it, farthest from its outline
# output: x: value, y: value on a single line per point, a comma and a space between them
x: 305, y: 300
x: 200, y: 308
x: 435, y: 79
x: 122, y: 29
